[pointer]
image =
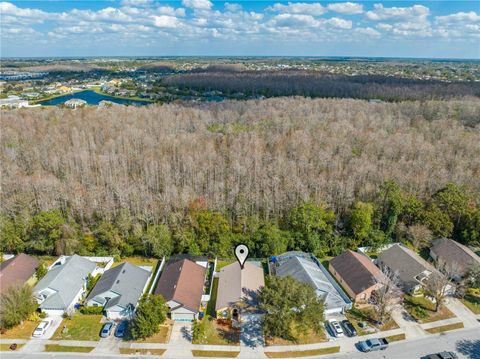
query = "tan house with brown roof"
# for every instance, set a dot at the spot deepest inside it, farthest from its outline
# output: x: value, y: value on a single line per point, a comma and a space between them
x: 357, y: 274
x: 17, y: 271
x: 238, y: 289
x: 181, y: 284
x: 455, y: 255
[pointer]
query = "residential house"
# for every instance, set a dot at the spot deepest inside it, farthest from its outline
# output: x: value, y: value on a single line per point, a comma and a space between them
x: 182, y: 285
x: 306, y: 268
x: 357, y: 274
x: 13, y: 102
x: 17, y: 271
x: 238, y: 289
x: 412, y: 270
x: 64, y: 285
x: 75, y: 102
x: 119, y: 290
x: 454, y: 255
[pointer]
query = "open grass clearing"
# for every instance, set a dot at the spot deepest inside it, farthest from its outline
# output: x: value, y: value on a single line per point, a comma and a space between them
x: 215, y: 353
x: 396, y: 338
x: 310, y: 337
x: 445, y: 328
x: 67, y: 348
x: 21, y: 331
x: 303, y: 353
x: 138, y: 261
x: 142, y: 351
x: 80, y: 327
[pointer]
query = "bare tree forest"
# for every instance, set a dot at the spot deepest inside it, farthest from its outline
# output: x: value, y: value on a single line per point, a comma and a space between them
x: 243, y: 158
x: 317, y: 84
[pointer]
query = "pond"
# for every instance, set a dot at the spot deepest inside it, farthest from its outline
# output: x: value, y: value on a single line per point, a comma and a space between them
x: 92, y: 98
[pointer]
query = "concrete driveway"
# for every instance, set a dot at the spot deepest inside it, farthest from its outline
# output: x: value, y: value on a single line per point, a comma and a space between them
x: 181, y: 334
x: 251, y: 334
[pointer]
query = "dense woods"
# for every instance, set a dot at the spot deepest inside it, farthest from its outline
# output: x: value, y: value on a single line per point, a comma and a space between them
x: 318, y: 84
x: 290, y: 173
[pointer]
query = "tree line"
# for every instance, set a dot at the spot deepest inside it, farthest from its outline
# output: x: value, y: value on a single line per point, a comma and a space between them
x: 392, y: 214
x: 318, y: 84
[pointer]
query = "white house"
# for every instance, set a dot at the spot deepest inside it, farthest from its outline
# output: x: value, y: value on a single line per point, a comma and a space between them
x: 64, y: 285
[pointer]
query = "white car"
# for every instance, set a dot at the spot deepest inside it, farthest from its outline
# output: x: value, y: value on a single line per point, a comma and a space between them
x: 336, y: 328
x: 42, y: 328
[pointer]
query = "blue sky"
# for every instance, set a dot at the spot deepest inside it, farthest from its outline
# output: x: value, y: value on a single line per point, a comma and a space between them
x: 441, y: 29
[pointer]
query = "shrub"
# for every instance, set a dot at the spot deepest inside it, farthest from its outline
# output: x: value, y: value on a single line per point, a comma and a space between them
x: 91, y: 310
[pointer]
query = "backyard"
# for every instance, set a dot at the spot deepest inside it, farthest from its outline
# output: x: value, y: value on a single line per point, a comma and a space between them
x: 423, y: 310
x: 80, y: 327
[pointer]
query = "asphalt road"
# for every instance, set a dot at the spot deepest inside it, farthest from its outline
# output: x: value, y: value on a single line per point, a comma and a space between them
x: 466, y: 343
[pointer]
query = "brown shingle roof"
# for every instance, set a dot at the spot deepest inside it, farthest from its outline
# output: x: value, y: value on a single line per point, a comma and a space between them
x: 356, y: 270
x: 182, y: 281
x: 16, y: 271
x: 454, y: 253
x: 236, y: 284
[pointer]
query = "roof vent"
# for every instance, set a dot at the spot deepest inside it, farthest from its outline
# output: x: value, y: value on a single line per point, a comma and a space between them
x: 118, y: 281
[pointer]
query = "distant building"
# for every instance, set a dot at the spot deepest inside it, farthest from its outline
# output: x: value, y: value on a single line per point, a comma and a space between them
x: 64, y: 89
x: 17, y: 271
x: 75, y: 102
x: 13, y: 102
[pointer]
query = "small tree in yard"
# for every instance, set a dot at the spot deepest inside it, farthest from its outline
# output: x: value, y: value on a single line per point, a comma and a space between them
x: 419, y: 235
x: 289, y: 304
x: 389, y: 289
x: 151, y: 313
x: 16, y: 305
x: 440, y: 283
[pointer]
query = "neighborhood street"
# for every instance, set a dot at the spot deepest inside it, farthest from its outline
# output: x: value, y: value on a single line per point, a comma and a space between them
x: 465, y: 342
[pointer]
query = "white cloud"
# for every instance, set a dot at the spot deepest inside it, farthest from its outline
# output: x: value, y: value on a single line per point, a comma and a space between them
x: 313, y: 9
x: 136, y: 3
x: 166, y: 21
x: 346, y: 8
x: 459, y: 17
x: 233, y: 7
x: 380, y: 12
x: 339, y: 23
x: 368, y: 31
x: 198, y: 4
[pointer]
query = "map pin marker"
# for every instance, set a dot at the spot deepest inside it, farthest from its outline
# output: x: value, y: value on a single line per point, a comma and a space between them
x: 241, y: 252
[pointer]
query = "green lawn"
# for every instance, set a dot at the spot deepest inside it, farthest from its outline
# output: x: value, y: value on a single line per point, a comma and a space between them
x: 215, y: 353
x: 472, y: 302
x: 367, y: 315
x: 21, y: 331
x: 303, y: 353
x: 67, y: 349
x: 222, y: 263
x: 81, y: 327
x: 163, y: 336
x: 219, y: 334
x: 142, y: 351
x: 445, y: 328
x: 396, y: 338
x: 213, y: 299
x: 423, y: 310
x: 310, y: 337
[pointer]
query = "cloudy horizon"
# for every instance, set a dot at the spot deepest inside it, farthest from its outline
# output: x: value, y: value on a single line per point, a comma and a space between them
x: 421, y: 29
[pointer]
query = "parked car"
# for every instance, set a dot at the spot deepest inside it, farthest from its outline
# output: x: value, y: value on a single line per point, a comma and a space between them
x: 442, y: 355
x: 120, y: 331
x: 336, y: 328
x: 371, y: 345
x: 106, y: 330
x: 348, y: 328
x: 42, y: 328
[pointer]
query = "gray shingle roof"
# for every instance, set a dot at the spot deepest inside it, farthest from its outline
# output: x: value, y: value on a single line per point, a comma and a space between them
x: 453, y: 253
x: 302, y: 268
x: 127, y: 280
x: 67, y: 279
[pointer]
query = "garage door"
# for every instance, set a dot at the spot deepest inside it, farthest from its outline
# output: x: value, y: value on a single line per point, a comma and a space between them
x: 183, y: 317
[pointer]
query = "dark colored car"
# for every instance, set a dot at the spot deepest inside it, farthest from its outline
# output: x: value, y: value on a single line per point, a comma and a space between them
x: 442, y: 355
x: 106, y: 330
x: 120, y: 331
x: 348, y: 328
